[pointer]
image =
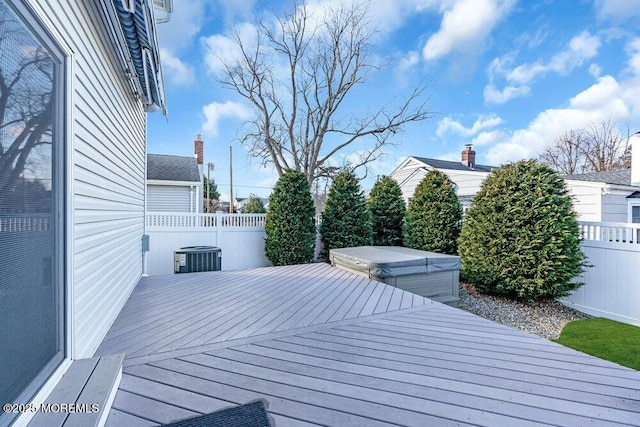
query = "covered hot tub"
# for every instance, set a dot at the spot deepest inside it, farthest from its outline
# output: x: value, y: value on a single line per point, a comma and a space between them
x: 430, y: 274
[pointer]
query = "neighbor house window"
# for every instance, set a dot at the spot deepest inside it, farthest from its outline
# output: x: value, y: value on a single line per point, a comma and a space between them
x: 635, y: 214
x: 31, y: 339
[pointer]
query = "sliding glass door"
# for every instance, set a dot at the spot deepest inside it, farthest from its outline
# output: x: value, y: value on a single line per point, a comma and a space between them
x: 31, y: 205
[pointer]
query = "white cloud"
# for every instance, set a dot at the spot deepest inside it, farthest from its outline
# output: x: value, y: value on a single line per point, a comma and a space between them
x: 617, y: 10
x: 492, y: 95
x: 234, y: 10
x: 595, y: 70
x: 581, y: 48
x: 448, y: 125
x: 465, y: 26
x: 216, y: 111
x: 488, y: 137
x: 186, y: 21
x: 178, y: 72
x: 222, y: 49
x: 631, y: 87
x: 385, y: 16
x: 605, y: 99
x: 451, y: 157
x: 405, y: 65
x: 633, y: 49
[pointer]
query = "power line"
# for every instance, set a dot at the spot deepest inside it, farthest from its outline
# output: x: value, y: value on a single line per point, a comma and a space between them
x: 244, y: 186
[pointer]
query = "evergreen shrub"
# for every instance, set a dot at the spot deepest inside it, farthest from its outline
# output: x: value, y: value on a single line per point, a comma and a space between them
x: 434, y: 216
x: 290, y: 224
x: 387, y: 212
x: 346, y: 221
x: 254, y: 205
x: 521, y: 238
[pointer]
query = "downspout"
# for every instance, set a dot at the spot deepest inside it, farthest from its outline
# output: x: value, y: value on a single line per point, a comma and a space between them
x: 191, y: 199
x: 195, y: 190
x: 145, y: 237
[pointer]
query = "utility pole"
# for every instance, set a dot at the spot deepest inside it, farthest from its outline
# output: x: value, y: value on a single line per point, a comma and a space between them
x: 209, y: 167
x: 230, y: 180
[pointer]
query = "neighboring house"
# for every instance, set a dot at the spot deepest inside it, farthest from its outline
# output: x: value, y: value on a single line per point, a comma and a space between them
x: 241, y: 202
x: 174, y: 183
x: 610, y: 196
x: 605, y: 196
x: 224, y: 204
x: 80, y: 77
x: 466, y: 175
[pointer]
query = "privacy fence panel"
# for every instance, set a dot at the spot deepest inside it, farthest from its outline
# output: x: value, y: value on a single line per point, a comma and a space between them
x: 239, y: 236
x: 612, y: 282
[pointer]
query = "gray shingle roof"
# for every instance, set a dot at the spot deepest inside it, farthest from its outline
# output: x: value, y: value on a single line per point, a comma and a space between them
x: 172, y: 168
x: 619, y: 177
x: 445, y: 164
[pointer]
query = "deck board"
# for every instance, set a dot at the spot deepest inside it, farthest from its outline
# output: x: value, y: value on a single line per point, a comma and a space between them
x: 382, y: 366
x: 323, y: 346
x: 382, y: 386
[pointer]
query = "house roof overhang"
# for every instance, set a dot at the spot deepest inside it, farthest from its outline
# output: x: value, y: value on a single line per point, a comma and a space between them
x: 634, y: 195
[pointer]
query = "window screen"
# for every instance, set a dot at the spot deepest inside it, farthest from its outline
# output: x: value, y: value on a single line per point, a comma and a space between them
x: 30, y: 321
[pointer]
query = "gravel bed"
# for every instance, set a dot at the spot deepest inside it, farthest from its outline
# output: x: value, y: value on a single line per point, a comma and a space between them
x: 543, y: 319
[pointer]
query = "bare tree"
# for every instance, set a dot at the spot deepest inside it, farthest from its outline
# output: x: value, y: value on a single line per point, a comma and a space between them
x: 565, y: 155
x: 605, y: 146
x: 599, y: 147
x: 297, y: 76
x: 26, y: 105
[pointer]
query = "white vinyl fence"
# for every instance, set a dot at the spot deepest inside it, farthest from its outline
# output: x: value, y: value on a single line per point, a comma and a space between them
x: 612, y: 284
x: 239, y: 236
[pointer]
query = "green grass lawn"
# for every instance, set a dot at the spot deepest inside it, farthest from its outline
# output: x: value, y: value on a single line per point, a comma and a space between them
x: 604, y: 338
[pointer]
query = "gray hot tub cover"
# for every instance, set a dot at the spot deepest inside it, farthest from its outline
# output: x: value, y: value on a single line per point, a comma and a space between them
x: 392, y: 261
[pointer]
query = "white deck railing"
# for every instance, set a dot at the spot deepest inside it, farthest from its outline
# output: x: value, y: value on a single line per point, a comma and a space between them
x: 173, y: 220
x: 196, y: 220
x: 609, y: 232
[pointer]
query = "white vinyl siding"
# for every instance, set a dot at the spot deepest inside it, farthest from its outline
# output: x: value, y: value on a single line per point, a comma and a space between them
x: 410, y: 182
x: 171, y: 198
x: 468, y: 183
x: 587, y: 199
x: 614, y: 208
x: 409, y: 174
x: 107, y: 140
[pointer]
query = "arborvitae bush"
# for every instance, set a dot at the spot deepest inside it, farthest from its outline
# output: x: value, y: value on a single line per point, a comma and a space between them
x: 290, y: 225
x: 387, y: 212
x: 254, y: 205
x: 346, y: 221
x: 520, y: 238
x: 434, y: 215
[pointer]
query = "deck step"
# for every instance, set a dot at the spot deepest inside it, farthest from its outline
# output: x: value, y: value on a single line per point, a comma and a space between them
x: 84, y: 395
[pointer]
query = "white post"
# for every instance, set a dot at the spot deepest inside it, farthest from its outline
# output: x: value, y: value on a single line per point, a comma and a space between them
x: 634, y: 142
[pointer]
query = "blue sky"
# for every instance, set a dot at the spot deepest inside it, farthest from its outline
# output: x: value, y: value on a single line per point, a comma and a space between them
x: 507, y: 76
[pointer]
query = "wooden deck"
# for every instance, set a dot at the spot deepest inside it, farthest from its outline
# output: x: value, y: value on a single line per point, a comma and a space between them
x: 326, y: 347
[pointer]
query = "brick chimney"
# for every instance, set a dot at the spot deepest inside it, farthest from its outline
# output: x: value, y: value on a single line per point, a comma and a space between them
x: 469, y: 156
x: 198, y: 147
